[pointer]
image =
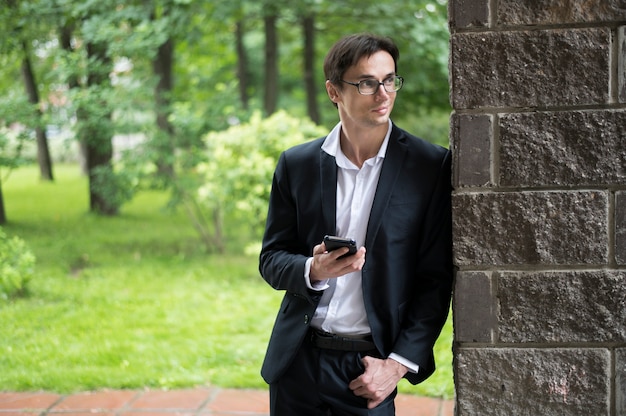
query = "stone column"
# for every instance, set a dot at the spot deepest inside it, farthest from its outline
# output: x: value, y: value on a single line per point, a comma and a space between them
x: 539, y: 140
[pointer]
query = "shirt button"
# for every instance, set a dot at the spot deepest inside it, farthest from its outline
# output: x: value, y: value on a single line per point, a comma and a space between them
x: 306, y: 319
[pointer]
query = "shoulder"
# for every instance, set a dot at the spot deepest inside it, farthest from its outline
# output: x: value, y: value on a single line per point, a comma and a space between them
x: 304, y: 151
x: 419, y: 147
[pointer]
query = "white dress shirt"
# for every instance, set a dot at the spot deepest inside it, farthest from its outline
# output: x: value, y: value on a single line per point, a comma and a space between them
x: 342, y: 310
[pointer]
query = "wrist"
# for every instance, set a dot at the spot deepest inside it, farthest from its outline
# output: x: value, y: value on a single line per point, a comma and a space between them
x: 312, y: 273
x: 400, y: 368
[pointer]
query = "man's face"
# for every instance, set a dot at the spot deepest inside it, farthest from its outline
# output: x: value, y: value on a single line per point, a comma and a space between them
x: 365, y: 110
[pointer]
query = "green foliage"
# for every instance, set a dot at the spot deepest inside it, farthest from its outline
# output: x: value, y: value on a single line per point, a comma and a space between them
x: 17, y: 264
x: 111, y: 90
x: 116, y: 187
x: 133, y: 301
x: 241, y: 160
x: 420, y: 29
x: 126, y: 302
x: 15, y: 113
x: 433, y: 126
x: 75, y: 333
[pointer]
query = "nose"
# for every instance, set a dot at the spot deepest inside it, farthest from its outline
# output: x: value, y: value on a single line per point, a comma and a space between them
x: 381, y: 90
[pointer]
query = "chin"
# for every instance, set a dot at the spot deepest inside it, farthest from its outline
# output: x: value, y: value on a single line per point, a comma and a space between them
x: 380, y: 120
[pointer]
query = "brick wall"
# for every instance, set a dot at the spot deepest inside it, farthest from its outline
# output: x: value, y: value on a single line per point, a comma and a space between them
x: 538, y: 132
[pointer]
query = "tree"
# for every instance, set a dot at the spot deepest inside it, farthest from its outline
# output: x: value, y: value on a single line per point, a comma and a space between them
x: 271, y: 60
x: 242, y: 63
x: 95, y: 130
x: 310, y: 86
x: 194, y: 67
x: 87, y: 33
x: 12, y: 141
x: 163, y: 66
x: 23, y: 36
x: 43, y: 153
x: 66, y: 31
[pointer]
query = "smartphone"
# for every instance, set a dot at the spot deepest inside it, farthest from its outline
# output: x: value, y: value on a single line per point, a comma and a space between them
x: 333, y: 243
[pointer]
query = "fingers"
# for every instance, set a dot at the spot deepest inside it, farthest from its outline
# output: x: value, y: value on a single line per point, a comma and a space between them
x: 378, y: 381
x: 319, y: 249
x: 328, y: 265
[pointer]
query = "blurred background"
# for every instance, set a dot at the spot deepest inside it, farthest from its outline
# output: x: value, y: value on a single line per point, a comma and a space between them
x: 137, y: 144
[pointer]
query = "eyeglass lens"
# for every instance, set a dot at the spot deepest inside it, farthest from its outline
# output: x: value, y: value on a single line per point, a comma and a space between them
x: 370, y: 86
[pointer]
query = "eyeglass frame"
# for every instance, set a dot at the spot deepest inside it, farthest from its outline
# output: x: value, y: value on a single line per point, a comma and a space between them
x: 358, y: 84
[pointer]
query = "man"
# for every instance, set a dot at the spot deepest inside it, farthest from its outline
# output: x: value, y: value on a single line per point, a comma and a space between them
x: 349, y: 328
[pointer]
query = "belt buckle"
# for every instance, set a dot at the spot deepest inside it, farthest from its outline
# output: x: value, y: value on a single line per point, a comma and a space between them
x: 336, y: 342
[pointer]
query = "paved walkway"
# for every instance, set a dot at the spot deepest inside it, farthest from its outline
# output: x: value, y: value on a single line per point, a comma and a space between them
x: 193, y: 402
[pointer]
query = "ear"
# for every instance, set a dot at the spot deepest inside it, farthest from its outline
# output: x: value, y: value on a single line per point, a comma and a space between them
x: 333, y: 92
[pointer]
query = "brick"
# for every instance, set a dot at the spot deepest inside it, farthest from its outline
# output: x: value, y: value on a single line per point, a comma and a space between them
x: 530, y: 68
x: 407, y: 405
x: 620, y: 228
x: 95, y: 401
x: 558, y: 307
x: 568, y: 148
x: 532, y: 381
x: 473, y: 307
x: 468, y: 13
x: 471, y: 142
x: 190, y: 399
x: 547, y: 12
x: 230, y: 401
x: 621, y: 65
x: 10, y: 401
x: 620, y: 381
x: 524, y: 228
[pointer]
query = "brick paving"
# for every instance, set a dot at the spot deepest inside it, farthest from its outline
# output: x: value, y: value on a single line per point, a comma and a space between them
x: 191, y: 402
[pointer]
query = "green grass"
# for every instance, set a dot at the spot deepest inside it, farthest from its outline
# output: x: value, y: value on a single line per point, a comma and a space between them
x: 135, y: 301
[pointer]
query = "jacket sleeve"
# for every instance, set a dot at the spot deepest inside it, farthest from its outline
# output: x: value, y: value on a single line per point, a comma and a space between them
x: 283, y: 253
x: 427, y: 313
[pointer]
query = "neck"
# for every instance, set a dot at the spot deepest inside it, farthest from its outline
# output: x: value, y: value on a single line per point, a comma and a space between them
x: 362, y: 144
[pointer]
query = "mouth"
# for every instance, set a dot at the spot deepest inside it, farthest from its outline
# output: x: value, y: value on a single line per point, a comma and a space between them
x: 381, y: 110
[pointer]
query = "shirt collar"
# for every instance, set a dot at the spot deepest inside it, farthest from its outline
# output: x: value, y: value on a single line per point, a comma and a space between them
x: 332, y: 146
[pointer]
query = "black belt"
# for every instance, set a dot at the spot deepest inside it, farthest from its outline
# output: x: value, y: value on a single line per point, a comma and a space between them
x: 327, y: 341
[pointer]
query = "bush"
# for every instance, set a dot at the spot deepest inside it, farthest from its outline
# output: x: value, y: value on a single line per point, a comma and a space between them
x: 17, y: 264
x: 237, y: 177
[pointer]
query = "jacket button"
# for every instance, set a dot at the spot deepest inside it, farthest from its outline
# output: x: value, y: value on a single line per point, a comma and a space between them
x: 306, y: 319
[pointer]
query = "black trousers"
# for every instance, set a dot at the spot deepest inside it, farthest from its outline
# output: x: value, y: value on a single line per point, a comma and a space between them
x: 316, y: 384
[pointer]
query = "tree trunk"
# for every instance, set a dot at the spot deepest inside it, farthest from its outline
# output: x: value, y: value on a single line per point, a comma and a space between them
x: 65, y: 39
x: 271, y: 65
x: 242, y: 65
x: 30, y: 85
x: 43, y: 153
x: 96, y: 134
x: 308, y: 26
x: 163, y: 68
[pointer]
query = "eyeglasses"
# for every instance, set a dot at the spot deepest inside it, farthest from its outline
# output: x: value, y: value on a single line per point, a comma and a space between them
x: 370, y: 86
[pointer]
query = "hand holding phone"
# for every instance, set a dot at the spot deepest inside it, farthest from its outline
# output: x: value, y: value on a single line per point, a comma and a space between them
x: 333, y: 243
x: 325, y: 267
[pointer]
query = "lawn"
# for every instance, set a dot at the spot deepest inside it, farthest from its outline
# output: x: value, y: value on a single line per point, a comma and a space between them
x: 135, y: 300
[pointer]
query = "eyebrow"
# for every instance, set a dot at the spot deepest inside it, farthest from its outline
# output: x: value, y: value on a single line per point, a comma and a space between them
x: 367, y: 76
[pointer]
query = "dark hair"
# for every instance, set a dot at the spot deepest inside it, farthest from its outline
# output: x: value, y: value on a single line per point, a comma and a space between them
x: 350, y: 49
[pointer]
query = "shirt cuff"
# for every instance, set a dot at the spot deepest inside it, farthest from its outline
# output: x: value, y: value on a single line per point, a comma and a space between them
x: 318, y: 285
x: 413, y: 368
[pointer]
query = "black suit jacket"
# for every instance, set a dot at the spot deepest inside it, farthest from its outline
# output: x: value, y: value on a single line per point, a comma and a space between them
x: 407, y: 276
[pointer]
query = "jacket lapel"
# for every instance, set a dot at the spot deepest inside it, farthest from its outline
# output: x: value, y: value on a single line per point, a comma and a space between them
x: 396, y: 152
x: 328, y: 181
